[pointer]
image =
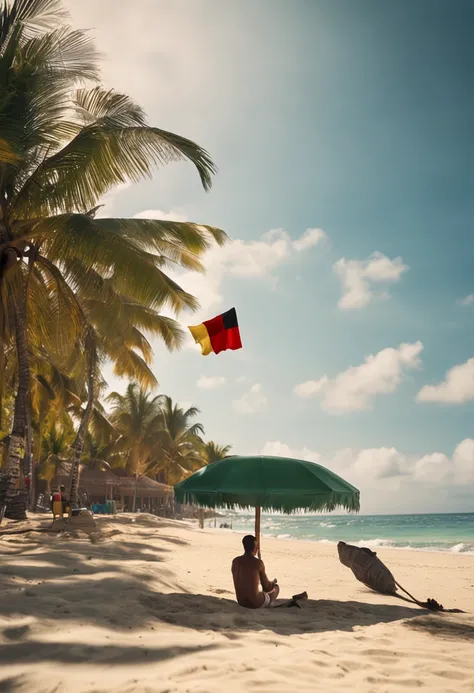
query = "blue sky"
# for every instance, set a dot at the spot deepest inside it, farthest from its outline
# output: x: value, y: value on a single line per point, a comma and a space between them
x: 352, y: 117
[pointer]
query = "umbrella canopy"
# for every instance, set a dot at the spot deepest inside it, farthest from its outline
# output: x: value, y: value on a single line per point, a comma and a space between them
x: 270, y: 483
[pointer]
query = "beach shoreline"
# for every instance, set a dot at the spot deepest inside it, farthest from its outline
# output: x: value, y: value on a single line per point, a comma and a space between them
x: 374, y: 532
x: 149, y: 607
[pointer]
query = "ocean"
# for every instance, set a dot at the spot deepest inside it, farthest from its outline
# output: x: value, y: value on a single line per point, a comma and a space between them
x: 444, y: 532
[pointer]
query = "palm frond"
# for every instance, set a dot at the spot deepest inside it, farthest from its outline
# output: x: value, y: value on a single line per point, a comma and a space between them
x: 69, y: 237
x: 127, y: 363
x: 103, y: 155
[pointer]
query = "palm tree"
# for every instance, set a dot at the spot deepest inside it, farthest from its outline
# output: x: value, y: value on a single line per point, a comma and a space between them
x: 60, y: 151
x: 178, y: 449
x: 116, y: 332
x: 212, y: 452
x: 136, y: 416
x: 55, y: 453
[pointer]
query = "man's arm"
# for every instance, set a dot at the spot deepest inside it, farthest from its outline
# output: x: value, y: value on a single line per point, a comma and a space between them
x: 267, y: 586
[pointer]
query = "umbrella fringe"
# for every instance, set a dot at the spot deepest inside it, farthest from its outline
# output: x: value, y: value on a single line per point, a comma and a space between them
x: 271, y: 503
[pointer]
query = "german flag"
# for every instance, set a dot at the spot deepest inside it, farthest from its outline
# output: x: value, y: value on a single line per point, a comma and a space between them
x: 219, y: 334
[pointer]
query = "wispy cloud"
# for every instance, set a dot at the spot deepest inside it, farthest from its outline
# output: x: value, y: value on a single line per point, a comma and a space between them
x: 355, y: 388
x: 211, y: 382
x: 253, y: 401
x: 159, y: 214
x: 361, y: 279
x: 466, y: 301
x: 250, y: 260
x: 369, y: 466
x: 456, y: 388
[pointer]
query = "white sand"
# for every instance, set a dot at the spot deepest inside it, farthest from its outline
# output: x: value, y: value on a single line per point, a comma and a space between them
x: 149, y: 609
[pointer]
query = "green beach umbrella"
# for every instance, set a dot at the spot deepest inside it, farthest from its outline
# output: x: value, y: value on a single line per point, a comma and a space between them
x: 267, y: 483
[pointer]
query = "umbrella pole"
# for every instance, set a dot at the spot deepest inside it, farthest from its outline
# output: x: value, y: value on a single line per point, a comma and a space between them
x: 257, y: 530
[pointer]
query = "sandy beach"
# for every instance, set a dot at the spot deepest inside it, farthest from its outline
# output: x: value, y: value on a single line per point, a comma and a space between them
x: 146, y: 606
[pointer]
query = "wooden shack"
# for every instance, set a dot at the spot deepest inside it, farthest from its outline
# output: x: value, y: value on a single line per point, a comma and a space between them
x: 100, y: 486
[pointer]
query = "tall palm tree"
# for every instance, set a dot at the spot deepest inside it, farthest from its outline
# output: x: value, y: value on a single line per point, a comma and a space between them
x: 55, y: 453
x: 136, y: 416
x: 116, y: 332
x: 212, y: 452
x: 60, y: 151
x: 178, y: 449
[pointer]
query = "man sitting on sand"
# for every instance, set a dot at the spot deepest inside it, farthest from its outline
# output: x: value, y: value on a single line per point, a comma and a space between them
x: 248, y: 572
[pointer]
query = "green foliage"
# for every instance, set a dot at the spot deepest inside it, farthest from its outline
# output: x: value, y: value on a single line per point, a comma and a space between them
x: 81, y: 283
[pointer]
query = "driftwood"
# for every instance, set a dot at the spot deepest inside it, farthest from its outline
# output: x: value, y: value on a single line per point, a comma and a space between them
x: 370, y: 570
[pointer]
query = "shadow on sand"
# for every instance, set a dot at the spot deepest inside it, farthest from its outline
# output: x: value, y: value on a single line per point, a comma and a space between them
x: 204, y: 612
x: 444, y: 627
x: 32, y: 651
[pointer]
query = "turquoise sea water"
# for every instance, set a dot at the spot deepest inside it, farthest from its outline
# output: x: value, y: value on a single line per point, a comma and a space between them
x: 444, y: 532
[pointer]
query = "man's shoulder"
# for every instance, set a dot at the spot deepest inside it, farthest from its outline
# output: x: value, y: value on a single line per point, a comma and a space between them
x: 251, y: 560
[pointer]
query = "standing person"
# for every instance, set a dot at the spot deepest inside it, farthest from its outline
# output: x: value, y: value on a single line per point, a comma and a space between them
x: 249, y: 574
x: 55, y: 496
x: 63, y: 498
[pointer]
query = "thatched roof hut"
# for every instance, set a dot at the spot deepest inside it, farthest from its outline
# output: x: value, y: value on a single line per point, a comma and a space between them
x: 105, y: 484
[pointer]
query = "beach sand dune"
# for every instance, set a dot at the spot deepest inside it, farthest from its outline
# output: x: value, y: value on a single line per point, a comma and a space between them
x: 146, y: 606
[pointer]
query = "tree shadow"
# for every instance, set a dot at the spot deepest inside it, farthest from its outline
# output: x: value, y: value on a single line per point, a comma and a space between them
x: 64, y: 578
x: 11, y: 684
x: 31, y: 651
x: 444, y: 626
x: 204, y: 612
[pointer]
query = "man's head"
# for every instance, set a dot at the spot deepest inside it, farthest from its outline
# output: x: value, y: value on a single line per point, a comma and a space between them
x: 61, y: 488
x: 250, y: 544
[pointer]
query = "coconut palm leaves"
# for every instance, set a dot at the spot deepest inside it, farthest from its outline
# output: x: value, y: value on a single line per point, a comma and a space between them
x: 212, y: 452
x: 179, y: 441
x: 63, y: 146
x: 136, y: 416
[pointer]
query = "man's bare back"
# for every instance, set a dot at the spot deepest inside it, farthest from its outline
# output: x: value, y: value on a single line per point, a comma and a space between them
x: 249, y: 574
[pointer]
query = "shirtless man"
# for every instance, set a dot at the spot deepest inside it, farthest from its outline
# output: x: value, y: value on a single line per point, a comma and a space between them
x: 248, y: 572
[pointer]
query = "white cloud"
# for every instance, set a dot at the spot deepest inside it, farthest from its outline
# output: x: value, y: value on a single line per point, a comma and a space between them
x: 211, y: 382
x: 380, y: 463
x: 466, y: 301
x: 456, y: 388
x: 310, y: 387
x: 109, y: 200
x: 159, y: 214
x: 310, y: 238
x: 438, y: 468
x: 463, y: 460
x: 278, y: 449
x: 355, y: 388
x: 388, y: 468
x: 259, y: 258
x: 254, y: 400
x: 243, y: 259
x: 358, y: 278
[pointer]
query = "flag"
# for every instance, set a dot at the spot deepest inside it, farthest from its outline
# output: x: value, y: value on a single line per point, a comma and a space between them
x: 218, y: 334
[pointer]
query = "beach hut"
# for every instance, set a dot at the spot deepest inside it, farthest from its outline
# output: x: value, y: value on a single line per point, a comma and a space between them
x: 100, y: 486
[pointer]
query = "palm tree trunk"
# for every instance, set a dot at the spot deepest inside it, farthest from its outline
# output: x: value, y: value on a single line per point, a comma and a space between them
x: 15, y: 502
x: 134, y: 500
x: 78, y: 444
x: 30, y: 458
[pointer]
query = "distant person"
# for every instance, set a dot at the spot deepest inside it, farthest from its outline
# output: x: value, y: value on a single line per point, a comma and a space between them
x: 55, y: 496
x: 249, y: 574
x: 64, y: 498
